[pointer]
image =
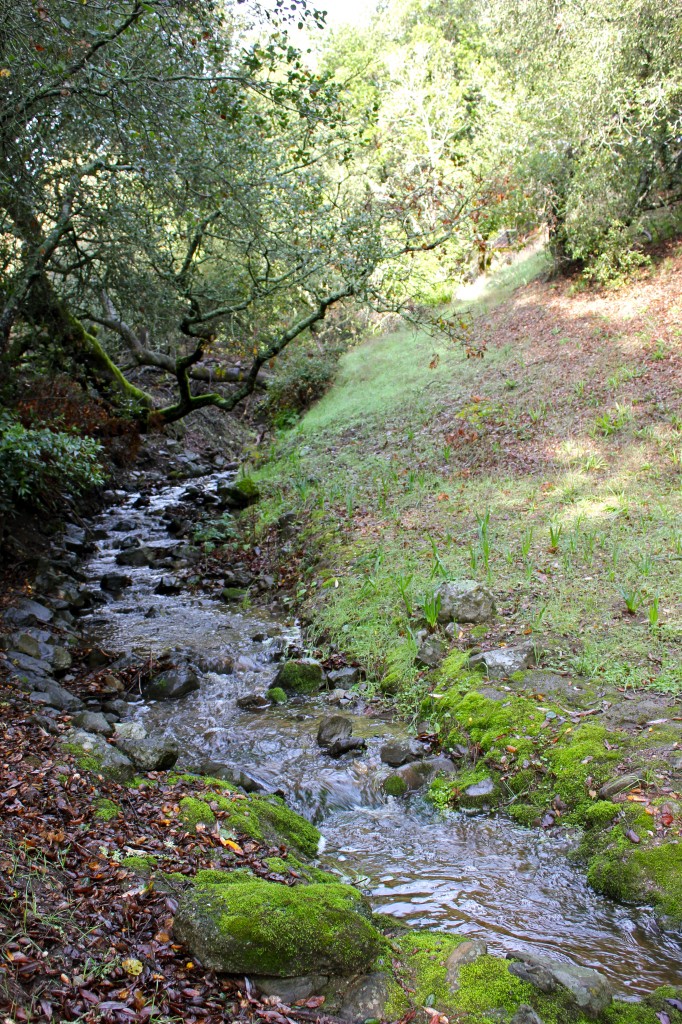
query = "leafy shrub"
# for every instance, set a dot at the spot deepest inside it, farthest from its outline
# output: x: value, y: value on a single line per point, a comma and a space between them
x: 39, y: 467
x: 301, y: 379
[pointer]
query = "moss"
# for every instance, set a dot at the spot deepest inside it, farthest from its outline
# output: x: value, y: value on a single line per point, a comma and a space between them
x: 280, y: 866
x: 264, y: 818
x: 422, y: 956
x: 301, y: 676
x: 581, y: 755
x: 195, y: 812
x: 487, y: 985
x: 140, y: 865
x: 106, y: 810
x: 277, y: 695
x: 247, y: 487
x: 259, y: 927
x: 210, y: 876
x: 523, y: 814
x: 599, y: 815
x: 394, y: 785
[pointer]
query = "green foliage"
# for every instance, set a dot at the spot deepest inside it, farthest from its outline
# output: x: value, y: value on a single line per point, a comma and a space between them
x: 40, y: 466
x: 299, y: 380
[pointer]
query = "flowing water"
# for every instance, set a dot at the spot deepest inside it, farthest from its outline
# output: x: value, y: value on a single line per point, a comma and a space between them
x: 475, y: 875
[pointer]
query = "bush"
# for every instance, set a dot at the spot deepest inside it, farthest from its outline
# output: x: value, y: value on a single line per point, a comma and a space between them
x: 39, y: 467
x: 301, y: 379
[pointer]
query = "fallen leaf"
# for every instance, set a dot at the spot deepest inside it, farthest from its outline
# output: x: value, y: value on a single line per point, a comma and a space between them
x: 132, y: 966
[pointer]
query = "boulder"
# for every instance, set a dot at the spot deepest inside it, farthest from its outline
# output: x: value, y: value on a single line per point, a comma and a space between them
x: 130, y: 731
x: 150, y: 754
x: 253, y: 702
x: 431, y: 652
x: 170, y: 685
x: 462, y: 955
x: 477, y: 793
x: 290, y: 990
x: 398, y: 752
x: 115, y: 582
x: 504, y: 661
x: 93, y: 753
x: 135, y: 558
x: 57, y: 697
x: 93, y: 721
x: 465, y: 601
x: 239, y: 494
x: 168, y: 585
x: 333, y: 728
x: 589, y: 990
x: 28, y: 613
x: 525, y: 1015
x: 24, y: 663
x: 257, y: 927
x: 366, y: 997
x: 303, y: 675
x: 344, y: 677
x: 61, y: 659
x: 346, y: 745
x: 234, y: 775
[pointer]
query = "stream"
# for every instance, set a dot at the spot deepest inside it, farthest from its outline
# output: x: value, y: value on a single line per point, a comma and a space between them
x: 477, y: 875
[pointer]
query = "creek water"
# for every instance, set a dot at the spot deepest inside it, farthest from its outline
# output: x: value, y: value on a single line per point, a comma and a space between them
x: 475, y: 875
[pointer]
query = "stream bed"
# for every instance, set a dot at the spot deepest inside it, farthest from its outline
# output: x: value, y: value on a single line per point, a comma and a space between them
x: 477, y: 875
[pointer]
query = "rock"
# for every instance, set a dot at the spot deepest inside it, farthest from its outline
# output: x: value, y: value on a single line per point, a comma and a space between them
x: 346, y: 745
x: 116, y: 706
x: 135, y: 558
x: 394, y: 785
x: 221, y: 664
x: 344, y: 677
x: 464, y: 954
x: 23, y: 663
x: 236, y: 776
x: 28, y: 613
x: 465, y: 601
x: 115, y: 582
x: 333, y: 728
x: 525, y: 1015
x: 239, y: 494
x: 589, y: 990
x: 233, y: 594
x: 130, y: 731
x: 168, y: 585
x: 253, y: 702
x: 289, y: 990
x: 61, y: 659
x: 93, y: 721
x: 60, y: 698
x: 397, y: 752
x: 171, y: 685
x: 124, y: 525
x: 431, y: 652
x: 366, y: 997
x: 93, y: 753
x: 618, y: 785
x: 477, y: 793
x: 504, y: 661
x: 276, y: 695
x: 27, y: 644
x: 257, y: 927
x: 151, y: 754
x: 304, y: 675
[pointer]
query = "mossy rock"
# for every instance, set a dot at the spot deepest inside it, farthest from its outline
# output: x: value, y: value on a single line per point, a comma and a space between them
x: 305, y: 675
x: 277, y: 695
x: 266, y: 819
x: 93, y: 754
x: 195, y: 812
x: 394, y: 785
x: 241, y: 493
x: 140, y: 865
x: 264, y: 928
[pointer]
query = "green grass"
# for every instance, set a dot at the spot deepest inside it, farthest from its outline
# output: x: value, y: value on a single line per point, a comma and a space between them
x: 393, y: 469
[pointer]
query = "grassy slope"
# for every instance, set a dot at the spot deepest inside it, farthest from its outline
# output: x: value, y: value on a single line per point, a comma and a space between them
x: 572, y: 421
x: 566, y: 439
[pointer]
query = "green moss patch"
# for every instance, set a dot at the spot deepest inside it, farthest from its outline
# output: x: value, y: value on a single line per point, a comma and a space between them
x: 263, y: 928
x: 106, y: 810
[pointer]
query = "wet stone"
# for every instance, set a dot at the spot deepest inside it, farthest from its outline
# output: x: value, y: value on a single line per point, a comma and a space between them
x: 344, y: 677
x: 619, y: 785
x: 589, y: 990
x: 115, y: 582
x: 28, y: 613
x: 464, y: 954
x: 347, y: 745
x: 398, y: 752
x: 93, y: 721
x: 173, y: 684
x: 483, y: 788
x: 332, y: 729
x: 253, y: 702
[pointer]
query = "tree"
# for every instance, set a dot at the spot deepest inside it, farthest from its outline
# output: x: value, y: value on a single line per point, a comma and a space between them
x: 178, y: 191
